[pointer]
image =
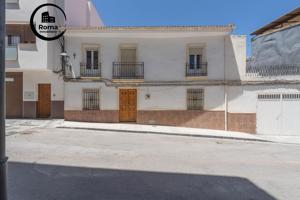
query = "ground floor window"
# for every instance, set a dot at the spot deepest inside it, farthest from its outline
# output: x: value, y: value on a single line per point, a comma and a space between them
x: 91, y: 99
x: 195, y: 99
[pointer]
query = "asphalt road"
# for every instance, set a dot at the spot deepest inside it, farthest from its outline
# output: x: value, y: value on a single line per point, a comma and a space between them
x: 60, y: 164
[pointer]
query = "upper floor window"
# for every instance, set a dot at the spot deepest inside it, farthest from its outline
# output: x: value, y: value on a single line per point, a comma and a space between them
x: 12, y: 4
x: 196, y: 65
x: 11, y: 1
x: 128, y: 55
x: 90, y: 65
x: 13, y: 40
x: 92, y: 59
x: 19, y: 33
x: 195, y: 58
x: 128, y: 66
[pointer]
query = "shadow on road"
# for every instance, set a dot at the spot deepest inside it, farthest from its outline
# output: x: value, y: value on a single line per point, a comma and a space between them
x: 49, y: 182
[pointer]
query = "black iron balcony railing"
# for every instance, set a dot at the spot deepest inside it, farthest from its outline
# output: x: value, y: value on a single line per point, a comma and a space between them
x: 196, y: 70
x: 90, y: 70
x: 272, y: 70
x: 126, y: 70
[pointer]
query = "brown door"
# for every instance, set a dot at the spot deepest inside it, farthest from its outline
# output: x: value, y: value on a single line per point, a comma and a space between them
x: 44, y: 101
x: 14, y: 94
x: 128, y: 105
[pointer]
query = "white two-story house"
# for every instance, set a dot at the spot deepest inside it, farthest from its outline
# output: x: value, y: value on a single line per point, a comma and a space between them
x: 34, y: 84
x: 155, y: 75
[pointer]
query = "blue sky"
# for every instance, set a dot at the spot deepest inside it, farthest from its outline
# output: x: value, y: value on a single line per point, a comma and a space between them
x: 247, y: 15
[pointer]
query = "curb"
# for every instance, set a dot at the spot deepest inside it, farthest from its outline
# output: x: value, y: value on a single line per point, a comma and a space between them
x: 168, y: 133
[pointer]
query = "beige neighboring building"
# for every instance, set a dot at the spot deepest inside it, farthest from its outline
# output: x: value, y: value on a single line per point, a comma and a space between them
x: 34, y: 86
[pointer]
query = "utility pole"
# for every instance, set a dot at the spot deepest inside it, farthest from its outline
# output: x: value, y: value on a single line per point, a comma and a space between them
x: 3, y: 158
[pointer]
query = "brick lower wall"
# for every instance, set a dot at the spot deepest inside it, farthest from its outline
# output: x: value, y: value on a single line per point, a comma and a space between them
x: 193, y: 119
x: 57, y: 109
x: 242, y: 122
x: 103, y: 116
x: 29, y: 109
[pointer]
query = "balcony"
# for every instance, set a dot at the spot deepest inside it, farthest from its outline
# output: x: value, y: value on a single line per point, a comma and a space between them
x: 11, y: 53
x: 128, y: 71
x: 196, y: 70
x: 12, y: 4
x: 272, y: 70
x: 12, y: 1
x: 90, y: 71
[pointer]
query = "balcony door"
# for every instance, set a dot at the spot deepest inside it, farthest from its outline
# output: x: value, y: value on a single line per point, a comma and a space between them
x: 92, y: 59
x: 128, y: 59
x: 92, y: 62
x: 195, y: 60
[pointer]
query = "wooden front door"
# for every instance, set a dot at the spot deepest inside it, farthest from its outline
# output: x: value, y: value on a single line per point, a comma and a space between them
x: 128, y: 105
x: 44, y: 101
x: 14, y: 94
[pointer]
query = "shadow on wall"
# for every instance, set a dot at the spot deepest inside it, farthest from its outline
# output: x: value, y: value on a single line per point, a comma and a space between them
x: 48, y: 182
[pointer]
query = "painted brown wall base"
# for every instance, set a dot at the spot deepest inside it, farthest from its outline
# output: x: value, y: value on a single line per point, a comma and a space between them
x: 57, y: 109
x: 29, y: 109
x: 104, y: 116
x: 193, y: 119
x: 242, y: 122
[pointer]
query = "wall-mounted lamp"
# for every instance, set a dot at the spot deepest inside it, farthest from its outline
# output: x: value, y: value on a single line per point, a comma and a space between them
x: 65, y: 56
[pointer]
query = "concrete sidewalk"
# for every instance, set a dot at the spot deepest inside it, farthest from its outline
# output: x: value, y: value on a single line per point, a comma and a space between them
x: 166, y: 130
x: 16, y: 126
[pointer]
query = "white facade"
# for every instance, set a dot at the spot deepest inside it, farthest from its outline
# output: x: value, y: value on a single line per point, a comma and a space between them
x: 164, y: 52
x: 228, y: 88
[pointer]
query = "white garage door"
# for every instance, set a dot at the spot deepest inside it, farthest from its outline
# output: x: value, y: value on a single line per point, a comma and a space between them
x: 278, y: 114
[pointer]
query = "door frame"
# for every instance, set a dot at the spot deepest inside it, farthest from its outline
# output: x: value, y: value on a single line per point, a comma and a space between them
x: 38, y: 101
x: 136, y: 106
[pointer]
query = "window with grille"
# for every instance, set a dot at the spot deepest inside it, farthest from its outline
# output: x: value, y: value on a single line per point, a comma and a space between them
x: 91, y: 99
x: 291, y: 97
x: 195, y: 99
x: 268, y: 97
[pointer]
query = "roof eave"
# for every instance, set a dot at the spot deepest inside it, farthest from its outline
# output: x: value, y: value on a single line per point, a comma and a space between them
x: 277, y: 22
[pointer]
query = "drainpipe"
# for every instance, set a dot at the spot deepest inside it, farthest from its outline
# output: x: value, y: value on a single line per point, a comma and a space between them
x: 3, y: 158
x: 225, y: 90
